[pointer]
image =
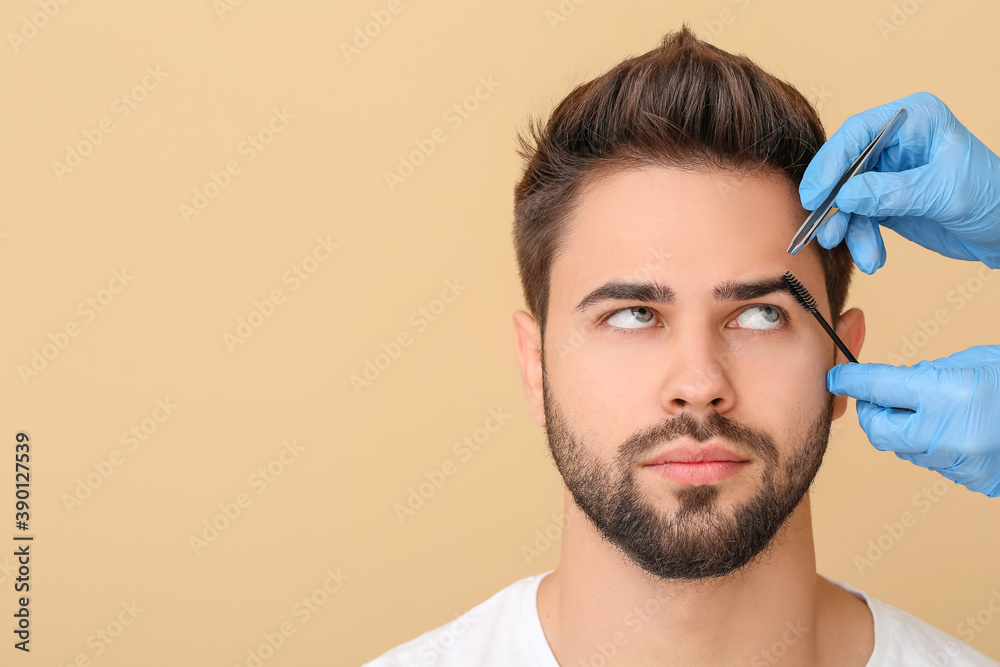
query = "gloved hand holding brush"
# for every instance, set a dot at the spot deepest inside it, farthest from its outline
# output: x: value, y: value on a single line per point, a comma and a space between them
x: 955, y: 426
x: 934, y: 183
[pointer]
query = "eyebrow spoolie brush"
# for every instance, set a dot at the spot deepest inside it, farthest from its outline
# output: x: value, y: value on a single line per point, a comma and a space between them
x: 807, y: 301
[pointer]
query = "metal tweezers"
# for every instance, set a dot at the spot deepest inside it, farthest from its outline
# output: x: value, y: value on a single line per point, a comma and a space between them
x: 864, y: 162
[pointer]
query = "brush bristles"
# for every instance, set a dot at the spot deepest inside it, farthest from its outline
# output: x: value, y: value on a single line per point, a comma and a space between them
x: 799, y: 291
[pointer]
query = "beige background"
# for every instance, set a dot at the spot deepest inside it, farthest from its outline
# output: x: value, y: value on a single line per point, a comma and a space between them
x: 331, y: 508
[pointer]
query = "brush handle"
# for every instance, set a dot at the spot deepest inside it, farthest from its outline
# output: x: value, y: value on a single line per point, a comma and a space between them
x: 843, y: 348
x: 834, y: 336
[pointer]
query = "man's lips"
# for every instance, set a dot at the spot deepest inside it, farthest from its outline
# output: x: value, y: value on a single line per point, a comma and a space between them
x: 696, y: 454
x: 697, y: 464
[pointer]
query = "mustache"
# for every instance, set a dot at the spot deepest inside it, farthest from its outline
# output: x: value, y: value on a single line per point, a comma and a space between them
x: 747, y: 440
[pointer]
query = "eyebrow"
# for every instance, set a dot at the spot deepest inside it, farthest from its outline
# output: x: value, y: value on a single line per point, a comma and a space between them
x: 732, y: 290
x: 654, y: 292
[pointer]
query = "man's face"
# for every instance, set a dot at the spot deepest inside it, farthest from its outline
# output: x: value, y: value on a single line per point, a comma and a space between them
x: 684, y: 391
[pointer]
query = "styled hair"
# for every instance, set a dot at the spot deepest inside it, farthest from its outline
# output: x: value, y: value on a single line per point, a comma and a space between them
x: 684, y: 104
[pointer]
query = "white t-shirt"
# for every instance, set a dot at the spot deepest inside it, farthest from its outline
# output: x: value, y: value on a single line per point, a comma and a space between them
x: 504, y: 631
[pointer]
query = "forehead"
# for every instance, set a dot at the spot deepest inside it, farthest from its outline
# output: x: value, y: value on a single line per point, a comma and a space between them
x: 694, y: 229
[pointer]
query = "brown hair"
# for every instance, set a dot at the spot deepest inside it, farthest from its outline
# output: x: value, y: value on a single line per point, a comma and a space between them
x: 685, y: 104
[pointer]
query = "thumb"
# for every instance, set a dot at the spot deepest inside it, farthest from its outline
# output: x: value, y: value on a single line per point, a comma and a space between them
x: 881, y: 384
x: 889, y: 194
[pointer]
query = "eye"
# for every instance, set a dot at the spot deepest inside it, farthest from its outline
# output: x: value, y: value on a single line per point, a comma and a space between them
x: 761, y: 317
x: 636, y: 317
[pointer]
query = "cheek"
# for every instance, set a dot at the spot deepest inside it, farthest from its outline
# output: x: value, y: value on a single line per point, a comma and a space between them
x: 781, y: 380
x: 602, y: 386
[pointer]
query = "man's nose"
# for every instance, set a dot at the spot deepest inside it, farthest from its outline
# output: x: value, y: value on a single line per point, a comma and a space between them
x: 696, y: 375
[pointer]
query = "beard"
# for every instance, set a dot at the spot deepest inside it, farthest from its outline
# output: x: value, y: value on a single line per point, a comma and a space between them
x: 700, y: 539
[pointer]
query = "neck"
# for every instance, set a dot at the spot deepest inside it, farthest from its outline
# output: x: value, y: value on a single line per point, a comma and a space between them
x: 598, y: 603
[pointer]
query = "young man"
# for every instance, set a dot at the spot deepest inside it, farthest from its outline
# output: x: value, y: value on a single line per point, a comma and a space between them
x: 681, y: 387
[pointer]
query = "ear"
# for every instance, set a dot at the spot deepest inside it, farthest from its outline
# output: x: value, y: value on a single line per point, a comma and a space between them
x: 851, y: 329
x: 528, y: 344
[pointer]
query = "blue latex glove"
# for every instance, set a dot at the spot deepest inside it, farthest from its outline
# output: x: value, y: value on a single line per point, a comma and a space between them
x: 955, y: 426
x: 936, y: 184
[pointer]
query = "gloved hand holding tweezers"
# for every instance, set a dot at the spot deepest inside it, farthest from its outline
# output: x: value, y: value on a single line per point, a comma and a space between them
x: 933, y: 183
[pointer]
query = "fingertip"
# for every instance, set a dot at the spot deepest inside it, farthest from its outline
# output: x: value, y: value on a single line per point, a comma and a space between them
x: 809, y: 195
x: 831, y: 383
x: 872, y: 263
x: 863, y: 259
x: 847, y: 379
x: 827, y: 239
x: 831, y: 232
x: 823, y: 171
x: 876, y: 243
x: 832, y: 379
x: 865, y: 242
x: 881, y: 261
